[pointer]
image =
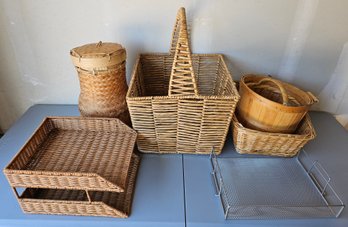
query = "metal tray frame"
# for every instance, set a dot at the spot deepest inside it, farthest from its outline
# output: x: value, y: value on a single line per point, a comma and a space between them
x: 310, y: 178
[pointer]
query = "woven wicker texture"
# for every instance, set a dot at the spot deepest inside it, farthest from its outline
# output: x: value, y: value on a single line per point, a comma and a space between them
x: 167, y: 114
x: 182, y: 78
x: 102, y: 74
x: 98, y: 56
x: 249, y: 141
x: 75, y: 153
x: 73, y: 202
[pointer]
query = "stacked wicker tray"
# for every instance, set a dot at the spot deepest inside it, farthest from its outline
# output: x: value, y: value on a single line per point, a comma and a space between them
x: 76, y: 166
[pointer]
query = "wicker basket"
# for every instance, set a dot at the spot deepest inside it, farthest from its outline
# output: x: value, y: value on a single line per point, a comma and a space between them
x: 102, y: 73
x: 181, y: 103
x: 250, y: 141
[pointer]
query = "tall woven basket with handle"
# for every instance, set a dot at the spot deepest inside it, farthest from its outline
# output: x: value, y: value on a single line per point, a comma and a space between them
x: 181, y: 102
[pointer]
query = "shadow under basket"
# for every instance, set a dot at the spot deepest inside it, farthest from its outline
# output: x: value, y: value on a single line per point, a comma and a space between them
x: 250, y: 141
x: 81, y: 202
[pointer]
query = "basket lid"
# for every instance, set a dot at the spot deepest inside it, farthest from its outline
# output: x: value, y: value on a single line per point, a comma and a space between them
x: 98, y: 55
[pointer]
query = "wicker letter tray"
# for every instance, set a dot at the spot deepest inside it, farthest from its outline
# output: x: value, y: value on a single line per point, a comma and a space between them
x: 76, y: 166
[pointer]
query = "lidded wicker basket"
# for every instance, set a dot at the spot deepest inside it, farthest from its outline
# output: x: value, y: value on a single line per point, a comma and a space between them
x: 181, y: 102
x: 101, y: 68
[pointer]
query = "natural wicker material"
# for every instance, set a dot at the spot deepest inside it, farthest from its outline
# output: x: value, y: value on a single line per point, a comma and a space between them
x: 75, y: 153
x: 102, y: 73
x: 250, y: 141
x: 181, y: 103
x: 72, y: 202
x: 271, y: 105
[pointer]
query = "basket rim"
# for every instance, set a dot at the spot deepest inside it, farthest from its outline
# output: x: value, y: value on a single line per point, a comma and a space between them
x: 169, y: 54
x: 191, y: 97
x: 234, y: 96
x: 270, y: 103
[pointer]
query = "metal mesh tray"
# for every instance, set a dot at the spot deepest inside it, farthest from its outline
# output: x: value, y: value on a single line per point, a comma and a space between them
x: 254, y: 187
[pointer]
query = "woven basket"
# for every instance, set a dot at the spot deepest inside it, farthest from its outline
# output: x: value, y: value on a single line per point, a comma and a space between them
x: 74, y: 153
x: 181, y: 103
x: 250, y: 141
x: 102, y: 73
x: 271, y: 105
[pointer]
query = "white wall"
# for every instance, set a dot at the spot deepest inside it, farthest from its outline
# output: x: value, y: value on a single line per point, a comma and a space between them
x: 303, y: 42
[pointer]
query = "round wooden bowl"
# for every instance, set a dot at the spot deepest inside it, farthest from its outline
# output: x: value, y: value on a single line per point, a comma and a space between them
x: 271, y: 105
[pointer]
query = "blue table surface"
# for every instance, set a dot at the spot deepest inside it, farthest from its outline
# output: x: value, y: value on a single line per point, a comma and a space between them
x: 158, y: 197
x: 330, y: 148
x: 174, y: 190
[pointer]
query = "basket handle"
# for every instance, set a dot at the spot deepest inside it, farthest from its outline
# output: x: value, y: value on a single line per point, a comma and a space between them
x: 312, y: 97
x: 282, y: 90
x: 182, y: 78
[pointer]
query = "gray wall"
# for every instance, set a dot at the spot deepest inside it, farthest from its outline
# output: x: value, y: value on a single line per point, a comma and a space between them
x: 303, y: 42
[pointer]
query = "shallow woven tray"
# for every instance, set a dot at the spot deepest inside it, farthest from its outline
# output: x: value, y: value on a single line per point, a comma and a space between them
x: 73, y: 202
x: 250, y: 141
x: 75, y: 153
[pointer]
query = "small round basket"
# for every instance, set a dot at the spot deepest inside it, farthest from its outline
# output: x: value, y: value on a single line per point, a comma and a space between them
x: 271, y: 105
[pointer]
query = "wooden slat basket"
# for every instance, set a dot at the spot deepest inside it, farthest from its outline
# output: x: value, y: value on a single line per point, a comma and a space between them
x: 181, y: 102
x: 272, y: 105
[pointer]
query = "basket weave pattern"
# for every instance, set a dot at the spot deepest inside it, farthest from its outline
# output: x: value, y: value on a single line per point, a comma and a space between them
x: 249, y: 141
x: 181, y: 103
x: 100, y: 92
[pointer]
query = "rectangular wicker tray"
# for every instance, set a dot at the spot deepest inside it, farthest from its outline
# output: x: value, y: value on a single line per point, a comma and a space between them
x: 254, y: 187
x: 75, y: 153
x: 79, y: 202
x: 250, y: 141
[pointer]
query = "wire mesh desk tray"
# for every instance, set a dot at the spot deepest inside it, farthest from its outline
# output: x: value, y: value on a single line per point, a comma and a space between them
x: 75, y: 153
x: 254, y: 187
x: 81, y: 202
